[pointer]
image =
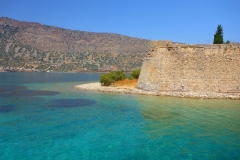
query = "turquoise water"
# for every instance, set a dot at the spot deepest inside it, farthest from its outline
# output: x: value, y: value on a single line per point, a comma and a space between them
x: 43, y: 117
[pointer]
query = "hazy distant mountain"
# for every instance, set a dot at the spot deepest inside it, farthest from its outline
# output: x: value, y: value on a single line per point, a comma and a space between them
x: 27, y: 44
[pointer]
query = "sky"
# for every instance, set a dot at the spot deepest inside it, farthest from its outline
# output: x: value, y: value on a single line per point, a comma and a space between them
x: 185, y: 21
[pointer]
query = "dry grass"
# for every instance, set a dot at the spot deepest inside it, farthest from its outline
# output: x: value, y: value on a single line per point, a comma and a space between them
x: 126, y: 83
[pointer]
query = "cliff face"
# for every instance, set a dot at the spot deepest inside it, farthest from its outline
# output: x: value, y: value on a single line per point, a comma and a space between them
x: 41, y: 46
x: 191, y: 68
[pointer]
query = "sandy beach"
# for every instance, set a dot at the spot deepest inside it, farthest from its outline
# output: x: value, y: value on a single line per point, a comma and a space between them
x: 98, y: 87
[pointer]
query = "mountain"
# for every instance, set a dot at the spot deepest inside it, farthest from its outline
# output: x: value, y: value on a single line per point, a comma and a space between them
x: 33, y: 45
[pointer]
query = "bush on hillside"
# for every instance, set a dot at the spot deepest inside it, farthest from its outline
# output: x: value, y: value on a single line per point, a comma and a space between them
x: 109, y: 78
x: 135, y: 74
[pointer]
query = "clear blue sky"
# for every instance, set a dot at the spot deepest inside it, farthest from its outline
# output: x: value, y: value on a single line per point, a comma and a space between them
x: 193, y: 21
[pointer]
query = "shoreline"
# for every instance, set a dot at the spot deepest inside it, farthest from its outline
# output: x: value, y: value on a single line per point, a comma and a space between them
x: 129, y: 90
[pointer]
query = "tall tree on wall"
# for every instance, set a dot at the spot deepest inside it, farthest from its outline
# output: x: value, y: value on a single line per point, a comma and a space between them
x: 218, y: 36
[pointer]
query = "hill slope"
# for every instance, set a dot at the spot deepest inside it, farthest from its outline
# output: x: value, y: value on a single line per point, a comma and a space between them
x: 33, y: 45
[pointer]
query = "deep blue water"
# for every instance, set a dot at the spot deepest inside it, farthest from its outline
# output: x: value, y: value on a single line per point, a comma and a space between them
x: 43, y: 117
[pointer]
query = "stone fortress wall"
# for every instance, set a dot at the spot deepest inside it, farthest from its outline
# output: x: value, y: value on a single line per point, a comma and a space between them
x: 201, y: 69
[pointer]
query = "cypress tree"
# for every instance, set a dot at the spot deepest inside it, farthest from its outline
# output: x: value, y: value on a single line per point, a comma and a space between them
x: 218, y: 36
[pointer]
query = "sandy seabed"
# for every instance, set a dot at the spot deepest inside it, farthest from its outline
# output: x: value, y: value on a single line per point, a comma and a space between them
x: 133, y: 90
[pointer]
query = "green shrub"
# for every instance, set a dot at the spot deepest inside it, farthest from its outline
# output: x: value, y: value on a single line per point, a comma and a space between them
x: 118, y: 75
x: 131, y: 77
x: 109, y: 78
x: 106, y: 79
x: 135, y: 74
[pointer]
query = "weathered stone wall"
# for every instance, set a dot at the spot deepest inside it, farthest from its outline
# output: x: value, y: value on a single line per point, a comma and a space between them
x: 191, y: 68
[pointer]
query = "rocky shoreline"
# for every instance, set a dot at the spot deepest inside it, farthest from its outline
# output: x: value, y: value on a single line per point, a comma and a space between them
x: 126, y: 90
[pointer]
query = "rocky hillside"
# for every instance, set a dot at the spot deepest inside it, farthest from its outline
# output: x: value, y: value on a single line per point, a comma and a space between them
x: 33, y: 45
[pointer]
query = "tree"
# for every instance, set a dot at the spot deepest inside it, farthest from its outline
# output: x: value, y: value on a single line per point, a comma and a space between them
x: 218, y: 36
x: 227, y: 42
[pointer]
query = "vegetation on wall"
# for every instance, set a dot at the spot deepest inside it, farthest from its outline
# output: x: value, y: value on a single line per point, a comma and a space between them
x: 227, y: 42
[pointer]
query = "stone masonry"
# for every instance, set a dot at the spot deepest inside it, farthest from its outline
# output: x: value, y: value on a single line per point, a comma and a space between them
x: 200, y: 69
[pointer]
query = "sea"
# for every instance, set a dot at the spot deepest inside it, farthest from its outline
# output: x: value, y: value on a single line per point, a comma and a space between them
x: 42, y: 116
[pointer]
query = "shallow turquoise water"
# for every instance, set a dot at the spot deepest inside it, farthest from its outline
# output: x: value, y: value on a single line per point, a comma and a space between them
x: 43, y: 117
